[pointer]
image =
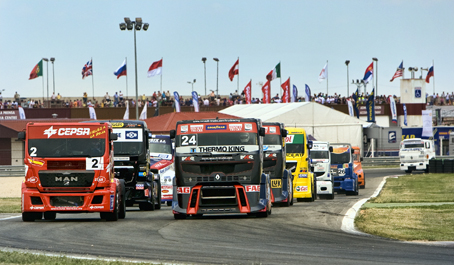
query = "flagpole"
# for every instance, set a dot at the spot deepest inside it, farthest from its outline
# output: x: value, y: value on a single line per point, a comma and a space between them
x: 280, y: 79
x: 327, y: 78
x: 238, y: 77
x: 42, y: 77
x: 92, y: 79
x: 433, y: 69
x: 126, y: 78
x: 161, y: 77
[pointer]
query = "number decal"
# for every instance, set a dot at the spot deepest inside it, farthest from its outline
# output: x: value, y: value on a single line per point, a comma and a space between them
x: 188, y: 140
x: 94, y: 163
x: 33, y: 151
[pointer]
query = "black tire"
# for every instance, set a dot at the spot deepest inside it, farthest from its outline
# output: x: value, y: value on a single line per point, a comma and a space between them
x: 50, y: 215
x: 112, y: 216
x: 31, y: 216
x: 179, y: 216
x: 291, y: 187
x: 158, y: 199
x: 300, y: 199
x: 122, y: 208
x: 129, y: 203
x: 364, y: 185
x: 169, y: 203
x: 408, y: 171
x: 146, y: 206
x: 262, y: 215
x: 330, y: 196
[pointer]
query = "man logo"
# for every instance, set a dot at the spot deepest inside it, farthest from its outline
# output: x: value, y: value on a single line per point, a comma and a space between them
x: 66, y: 180
x: 218, y: 177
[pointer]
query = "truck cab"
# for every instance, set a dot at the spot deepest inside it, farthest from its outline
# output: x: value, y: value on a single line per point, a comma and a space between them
x: 321, y: 164
x: 358, y: 168
x: 298, y: 162
x: 345, y: 178
x: 415, y: 154
x: 162, y: 164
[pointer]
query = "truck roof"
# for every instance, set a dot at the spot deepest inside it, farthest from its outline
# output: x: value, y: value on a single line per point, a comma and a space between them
x: 219, y: 120
x: 124, y: 123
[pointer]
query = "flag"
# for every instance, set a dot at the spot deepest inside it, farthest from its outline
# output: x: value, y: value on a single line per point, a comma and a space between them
x: 195, y: 101
x: 87, y: 69
x: 427, y: 123
x: 92, y: 112
x: 143, y: 114
x: 430, y: 73
x: 323, y: 74
x: 392, y: 105
x: 405, y: 114
x: 350, y: 108
x: 126, y: 115
x: 176, y: 98
x: 155, y: 68
x: 121, y: 70
x: 266, y: 89
x: 370, y: 106
x: 308, y: 93
x: 275, y: 73
x: 247, y: 93
x: 21, y: 113
x: 286, y: 94
x: 369, y: 73
x: 37, y: 70
x: 234, y: 70
x: 295, y: 94
x: 355, y: 97
x: 399, y: 72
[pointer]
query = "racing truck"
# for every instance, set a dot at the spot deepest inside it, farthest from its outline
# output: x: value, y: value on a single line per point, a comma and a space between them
x: 69, y: 169
x: 358, y: 168
x: 219, y: 168
x: 415, y: 154
x: 345, y: 178
x: 274, y: 164
x: 321, y: 164
x: 298, y: 162
x: 161, y: 162
x: 132, y: 164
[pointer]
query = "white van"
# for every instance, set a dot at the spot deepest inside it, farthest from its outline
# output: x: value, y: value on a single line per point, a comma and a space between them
x: 321, y: 162
x: 415, y: 154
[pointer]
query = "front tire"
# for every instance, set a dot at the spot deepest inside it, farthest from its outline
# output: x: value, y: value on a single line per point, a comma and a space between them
x: 112, y: 216
x: 122, y: 210
x: 50, y: 215
x: 179, y: 216
x: 31, y: 216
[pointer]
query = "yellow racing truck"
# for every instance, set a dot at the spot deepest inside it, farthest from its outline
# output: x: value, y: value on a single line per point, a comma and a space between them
x: 298, y: 162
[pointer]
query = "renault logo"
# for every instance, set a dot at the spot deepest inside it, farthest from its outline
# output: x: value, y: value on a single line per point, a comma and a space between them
x: 217, y: 177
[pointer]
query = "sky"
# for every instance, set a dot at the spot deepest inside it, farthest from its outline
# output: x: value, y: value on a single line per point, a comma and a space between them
x: 301, y: 35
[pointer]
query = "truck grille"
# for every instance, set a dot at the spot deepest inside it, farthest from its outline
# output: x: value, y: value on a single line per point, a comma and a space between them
x: 218, y: 196
x: 66, y: 178
x: 207, y: 169
x: 66, y: 201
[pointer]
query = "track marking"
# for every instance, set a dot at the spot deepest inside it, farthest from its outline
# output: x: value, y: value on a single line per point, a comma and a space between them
x: 11, y: 217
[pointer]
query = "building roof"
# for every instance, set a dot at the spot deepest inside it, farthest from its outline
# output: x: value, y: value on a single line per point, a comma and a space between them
x: 164, y: 123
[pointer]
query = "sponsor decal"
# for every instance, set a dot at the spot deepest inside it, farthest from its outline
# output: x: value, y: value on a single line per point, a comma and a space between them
x: 33, y: 179
x: 140, y: 186
x: 294, y: 155
x: 301, y: 188
x: 248, y: 127
x: 247, y: 157
x: 302, y: 176
x: 36, y: 207
x: 64, y: 208
x: 112, y: 200
x: 121, y: 158
x: 117, y: 124
x: 221, y: 149
x: 289, y: 139
x: 196, y: 128
x: 271, y: 155
x: 131, y: 135
x: 187, y: 158
x: 276, y: 183
x: 184, y: 128
x: 345, y: 165
x: 235, y: 127
x: 272, y: 129
x: 215, y: 127
x: 193, y: 150
x: 183, y: 190
x: 36, y: 162
x: 157, y: 141
x: 252, y: 188
x: 93, y: 207
x: 96, y: 132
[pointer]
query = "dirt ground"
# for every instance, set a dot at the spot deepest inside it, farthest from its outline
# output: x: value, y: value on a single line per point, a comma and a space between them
x: 10, y: 187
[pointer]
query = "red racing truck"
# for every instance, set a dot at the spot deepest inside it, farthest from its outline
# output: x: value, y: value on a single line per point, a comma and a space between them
x: 69, y: 168
x: 219, y: 168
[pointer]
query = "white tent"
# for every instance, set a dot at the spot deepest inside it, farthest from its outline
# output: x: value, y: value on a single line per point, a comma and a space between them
x: 322, y: 122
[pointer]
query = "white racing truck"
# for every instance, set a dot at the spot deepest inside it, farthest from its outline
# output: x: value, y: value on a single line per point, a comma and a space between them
x: 415, y: 154
x: 321, y: 163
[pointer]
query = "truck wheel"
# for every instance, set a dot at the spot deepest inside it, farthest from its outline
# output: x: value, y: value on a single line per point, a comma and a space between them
x: 31, y: 217
x: 262, y: 215
x: 122, y: 210
x: 299, y: 199
x: 158, y: 197
x: 364, y: 185
x: 50, y: 215
x: 179, y: 216
x: 169, y: 203
x: 291, y: 187
x: 408, y: 171
x: 147, y: 206
x: 330, y: 196
x: 111, y: 216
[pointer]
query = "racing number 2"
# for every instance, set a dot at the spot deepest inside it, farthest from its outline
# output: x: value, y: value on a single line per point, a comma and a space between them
x: 188, y: 140
x: 94, y: 163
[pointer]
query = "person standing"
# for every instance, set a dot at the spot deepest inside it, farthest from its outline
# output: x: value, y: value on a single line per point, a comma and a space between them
x: 85, y: 98
x: 120, y: 96
x: 116, y: 99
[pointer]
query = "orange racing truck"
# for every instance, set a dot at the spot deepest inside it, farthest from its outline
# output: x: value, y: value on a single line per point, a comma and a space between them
x: 274, y: 164
x: 69, y: 169
x: 219, y: 168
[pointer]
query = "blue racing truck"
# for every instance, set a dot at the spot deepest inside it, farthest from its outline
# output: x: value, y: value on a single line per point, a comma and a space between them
x: 345, y: 179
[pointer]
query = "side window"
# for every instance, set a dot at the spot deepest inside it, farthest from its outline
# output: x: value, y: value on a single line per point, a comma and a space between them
x: 427, y: 145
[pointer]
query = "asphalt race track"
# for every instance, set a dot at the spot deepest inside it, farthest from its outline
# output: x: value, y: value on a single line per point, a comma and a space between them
x: 306, y: 233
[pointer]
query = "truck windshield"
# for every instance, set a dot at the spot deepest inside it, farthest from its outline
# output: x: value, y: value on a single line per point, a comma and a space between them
x: 419, y: 145
x: 71, y: 147
x: 160, y: 148
x: 294, y: 148
x: 272, y: 139
x: 341, y: 155
x: 319, y: 155
x: 207, y: 139
x: 128, y: 148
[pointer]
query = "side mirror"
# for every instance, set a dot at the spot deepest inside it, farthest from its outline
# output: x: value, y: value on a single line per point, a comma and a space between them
x: 352, y: 151
x: 312, y: 169
x: 262, y: 131
x: 331, y: 149
x: 21, y: 135
x: 113, y: 137
x: 173, y: 133
x: 284, y: 132
x: 309, y: 144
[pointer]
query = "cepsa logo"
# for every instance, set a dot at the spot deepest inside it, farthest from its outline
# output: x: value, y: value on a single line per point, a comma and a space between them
x: 66, y: 131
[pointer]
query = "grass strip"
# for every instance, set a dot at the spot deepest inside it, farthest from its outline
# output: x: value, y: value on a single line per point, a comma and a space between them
x: 10, y: 205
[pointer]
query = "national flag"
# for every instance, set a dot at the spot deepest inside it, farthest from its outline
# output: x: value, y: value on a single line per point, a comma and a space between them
x: 323, y: 74
x: 266, y: 90
x: 37, y: 70
x: 308, y: 93
x: 155, y: 68
x: 234, y: 70
x: 350, y: 108
x: 430, y: 73
x: 247, y: 93
x: 370, y: 106
x: 176, y: 98
x: 126, y: 115
x: 286, y: 94
x: 295, y: 94
x: 399, y: 72
x: 121, y: 70
x: 195, y: 101
x: 87, y: 69
x: 275, y: 73
x: 143, y: 114
x: 368, y: 75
